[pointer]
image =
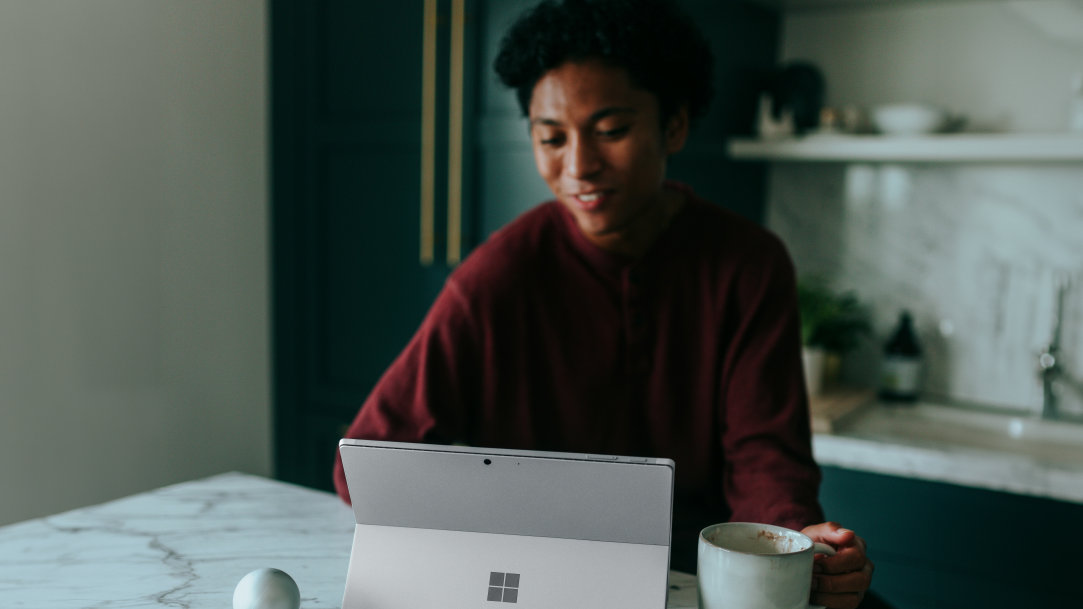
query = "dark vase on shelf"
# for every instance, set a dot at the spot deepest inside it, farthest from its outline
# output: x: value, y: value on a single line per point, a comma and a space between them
x: 900, y: 376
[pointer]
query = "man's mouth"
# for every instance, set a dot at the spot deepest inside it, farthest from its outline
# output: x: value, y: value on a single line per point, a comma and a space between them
x: 588, y: 201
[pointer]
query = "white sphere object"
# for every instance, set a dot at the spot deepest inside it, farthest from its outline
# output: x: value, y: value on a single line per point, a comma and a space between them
x: 266, y: 589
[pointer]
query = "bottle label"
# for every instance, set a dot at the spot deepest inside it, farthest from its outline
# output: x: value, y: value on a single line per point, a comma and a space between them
x: 901, y: 375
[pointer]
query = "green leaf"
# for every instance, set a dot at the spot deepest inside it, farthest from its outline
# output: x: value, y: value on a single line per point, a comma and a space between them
x: 835, y: 321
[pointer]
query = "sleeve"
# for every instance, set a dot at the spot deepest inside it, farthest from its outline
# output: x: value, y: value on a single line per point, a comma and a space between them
x: 770, y: 475
x: 425, y: 395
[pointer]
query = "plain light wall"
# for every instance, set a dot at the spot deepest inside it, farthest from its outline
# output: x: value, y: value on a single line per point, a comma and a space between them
x: 134, y: 312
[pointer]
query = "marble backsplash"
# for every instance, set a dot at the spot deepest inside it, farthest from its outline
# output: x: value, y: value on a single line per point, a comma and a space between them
x: 974, y: 251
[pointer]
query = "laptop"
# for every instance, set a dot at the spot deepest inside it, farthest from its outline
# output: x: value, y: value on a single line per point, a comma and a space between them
x: 455, y: 527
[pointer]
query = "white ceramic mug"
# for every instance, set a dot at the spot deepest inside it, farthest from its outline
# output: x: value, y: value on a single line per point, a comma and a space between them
x: 745, y: 565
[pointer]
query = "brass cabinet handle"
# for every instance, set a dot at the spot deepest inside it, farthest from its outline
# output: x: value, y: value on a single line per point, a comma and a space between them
x: 428, y: 134
x: 455, y: 132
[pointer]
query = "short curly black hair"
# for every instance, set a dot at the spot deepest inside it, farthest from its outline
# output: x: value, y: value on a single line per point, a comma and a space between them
x: 657, y: 43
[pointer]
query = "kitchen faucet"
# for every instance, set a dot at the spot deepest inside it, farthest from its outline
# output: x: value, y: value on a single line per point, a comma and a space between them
x: 1050, y: 369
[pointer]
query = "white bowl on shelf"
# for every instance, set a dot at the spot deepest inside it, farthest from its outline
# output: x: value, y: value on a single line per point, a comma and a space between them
x: 908, y: 118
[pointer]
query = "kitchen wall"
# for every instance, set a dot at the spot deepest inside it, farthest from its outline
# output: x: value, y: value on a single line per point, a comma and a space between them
x: 973, y: 250
x: 134, y: 347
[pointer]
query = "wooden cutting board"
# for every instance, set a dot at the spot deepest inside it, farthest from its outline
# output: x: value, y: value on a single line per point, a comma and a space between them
x: 828, y: 409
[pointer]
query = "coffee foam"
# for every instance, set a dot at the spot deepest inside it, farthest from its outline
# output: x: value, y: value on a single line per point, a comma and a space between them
x: 759, y: 542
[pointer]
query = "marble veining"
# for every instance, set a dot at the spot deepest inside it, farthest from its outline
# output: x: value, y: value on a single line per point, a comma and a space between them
x: 186, y: 546
x: 972, y: 250
x: 181, y: 546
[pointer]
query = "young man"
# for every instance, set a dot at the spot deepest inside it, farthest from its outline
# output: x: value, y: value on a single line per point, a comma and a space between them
x: 628, y: 316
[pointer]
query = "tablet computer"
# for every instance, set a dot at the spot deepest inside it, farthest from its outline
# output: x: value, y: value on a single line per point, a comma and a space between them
x: 457, y: 527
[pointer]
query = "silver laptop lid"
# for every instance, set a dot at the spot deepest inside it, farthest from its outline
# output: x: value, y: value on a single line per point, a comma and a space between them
x: 463, y: 528
x: 513, y: 492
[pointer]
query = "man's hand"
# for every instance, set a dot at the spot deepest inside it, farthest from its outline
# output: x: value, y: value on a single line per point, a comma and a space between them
x: 839, y: 581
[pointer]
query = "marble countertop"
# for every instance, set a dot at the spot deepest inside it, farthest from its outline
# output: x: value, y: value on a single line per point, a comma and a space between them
x: 1014, y: 454
x: 187, y: 546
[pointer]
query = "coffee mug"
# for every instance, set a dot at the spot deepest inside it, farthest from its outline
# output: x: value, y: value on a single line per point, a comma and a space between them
x: 744, y: 565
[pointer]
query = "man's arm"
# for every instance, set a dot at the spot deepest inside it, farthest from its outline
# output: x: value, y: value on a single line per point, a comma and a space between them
x: 771, y: 476
x: 770, y: 473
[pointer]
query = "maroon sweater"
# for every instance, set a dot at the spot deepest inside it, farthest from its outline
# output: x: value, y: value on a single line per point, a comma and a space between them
x: 541, y: 340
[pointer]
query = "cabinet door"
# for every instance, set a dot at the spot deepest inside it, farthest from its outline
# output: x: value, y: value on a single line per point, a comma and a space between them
x: 507, y: 182
x: 941, y: 545
x: 349, y: 288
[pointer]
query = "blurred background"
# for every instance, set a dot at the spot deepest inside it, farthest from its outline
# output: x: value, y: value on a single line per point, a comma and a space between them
x: 221, y: 219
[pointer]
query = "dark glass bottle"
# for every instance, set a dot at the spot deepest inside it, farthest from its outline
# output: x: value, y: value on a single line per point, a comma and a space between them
x: 900, y: 376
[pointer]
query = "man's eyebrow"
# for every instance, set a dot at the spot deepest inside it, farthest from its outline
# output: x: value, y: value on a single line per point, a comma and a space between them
x: 597, y: 116
x: 604, y: 112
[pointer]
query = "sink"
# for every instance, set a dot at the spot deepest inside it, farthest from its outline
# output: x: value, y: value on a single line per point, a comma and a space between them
x: 1055, y: 443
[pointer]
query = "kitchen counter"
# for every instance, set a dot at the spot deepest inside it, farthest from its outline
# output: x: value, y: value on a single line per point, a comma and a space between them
x: 188, y: 545
x: 964, y: 446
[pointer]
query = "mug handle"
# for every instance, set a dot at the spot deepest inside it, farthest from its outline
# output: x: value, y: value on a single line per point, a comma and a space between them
x: 821, y: 548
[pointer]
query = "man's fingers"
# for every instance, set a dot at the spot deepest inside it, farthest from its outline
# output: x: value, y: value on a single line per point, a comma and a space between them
x: 841, y: 591
x: 846, y: 560
x: 839, y: 581
x: 830, y: 532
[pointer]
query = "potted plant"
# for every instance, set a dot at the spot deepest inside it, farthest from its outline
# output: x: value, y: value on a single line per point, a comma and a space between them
x: 832, y: 323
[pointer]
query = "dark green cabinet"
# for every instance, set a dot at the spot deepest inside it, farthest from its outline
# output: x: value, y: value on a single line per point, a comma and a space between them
x: 349, y: 287
x: 946, y: 546
x: 351, y: 283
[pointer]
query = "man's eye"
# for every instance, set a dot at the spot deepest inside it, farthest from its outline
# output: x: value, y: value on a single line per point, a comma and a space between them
x: 613, y: 133
x: 551, y: 141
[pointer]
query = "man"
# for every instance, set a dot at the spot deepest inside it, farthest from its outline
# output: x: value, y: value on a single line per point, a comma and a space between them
x: 628, y: 316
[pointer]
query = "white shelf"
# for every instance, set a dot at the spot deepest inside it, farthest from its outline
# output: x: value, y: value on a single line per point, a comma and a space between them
x: 941, y: 148
x: 795, y: 5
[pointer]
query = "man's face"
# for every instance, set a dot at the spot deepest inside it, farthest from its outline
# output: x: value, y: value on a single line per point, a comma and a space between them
x: 599, y: 145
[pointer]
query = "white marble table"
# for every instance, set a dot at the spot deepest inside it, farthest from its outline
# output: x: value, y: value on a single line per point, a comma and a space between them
x: 186, y: 546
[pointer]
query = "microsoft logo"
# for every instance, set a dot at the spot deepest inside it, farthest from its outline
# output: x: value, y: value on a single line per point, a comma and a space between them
x: 503, y: 587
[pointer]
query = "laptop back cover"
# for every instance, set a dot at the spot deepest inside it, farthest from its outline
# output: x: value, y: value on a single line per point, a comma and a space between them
x: 457, y: 527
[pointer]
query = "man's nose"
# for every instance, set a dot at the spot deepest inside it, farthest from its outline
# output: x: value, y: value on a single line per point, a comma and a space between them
x: 582, y: 158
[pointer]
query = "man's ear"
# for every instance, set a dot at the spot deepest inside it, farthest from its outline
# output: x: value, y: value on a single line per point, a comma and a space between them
x: 676, y: 130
